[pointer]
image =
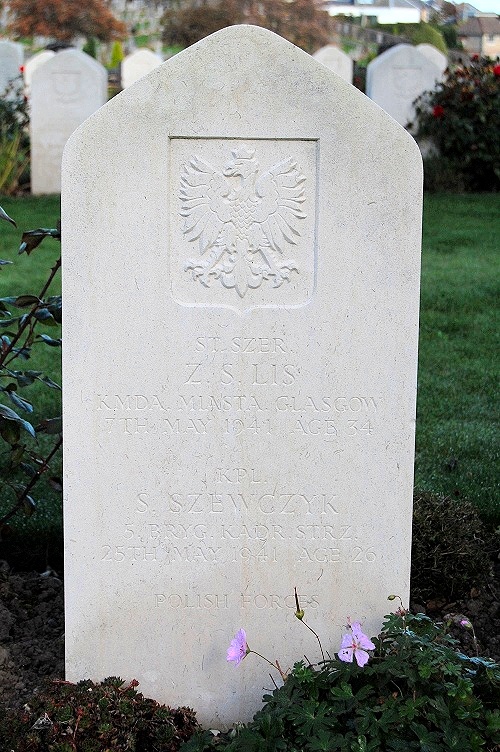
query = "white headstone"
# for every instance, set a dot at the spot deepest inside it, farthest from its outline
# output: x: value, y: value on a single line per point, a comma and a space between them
x: 33, y: 63
x: 397, y: 77
x: 336, y: 60
x: 435, y: 55
x: 138, y: 64
x: 11, y: 60
x: 65, y: 91
x: 241, y: 292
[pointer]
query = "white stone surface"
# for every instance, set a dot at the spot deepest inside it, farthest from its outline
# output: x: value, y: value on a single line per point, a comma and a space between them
x: 336, y: 60
x: 435, y: 55
x: 65, y: 90
x: 397, y: 77
x: 138, y: 64
x: 33, y: 63
x: 241, y: 320
x: 11, y: 60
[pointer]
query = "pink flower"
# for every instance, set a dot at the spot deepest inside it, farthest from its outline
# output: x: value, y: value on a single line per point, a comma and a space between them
x: 238, y: 648
x: 355, y: 645
x: 466, y: 624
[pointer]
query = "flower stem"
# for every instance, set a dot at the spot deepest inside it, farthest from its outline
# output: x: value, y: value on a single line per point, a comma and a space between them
x: 317, y: 637
x: 276, y: 665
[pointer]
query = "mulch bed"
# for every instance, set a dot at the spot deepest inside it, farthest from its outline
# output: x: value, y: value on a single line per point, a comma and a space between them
x: 32, y: 628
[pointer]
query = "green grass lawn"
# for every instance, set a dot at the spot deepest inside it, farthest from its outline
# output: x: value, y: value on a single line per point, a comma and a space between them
x: 457, y: 434
x: 457, y: 452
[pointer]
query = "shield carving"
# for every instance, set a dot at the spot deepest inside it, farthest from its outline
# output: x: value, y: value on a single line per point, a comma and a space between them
x: 66, y: 85
x: 243, y: 224
x: 407, y: 81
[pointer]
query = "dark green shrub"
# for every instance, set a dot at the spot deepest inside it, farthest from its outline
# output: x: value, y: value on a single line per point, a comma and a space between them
x: 462, y: 119
x: 88, y: 717
x: 417, y: 693
x: 451, y: 548
x: 24, y: 458
x: 90, y: 47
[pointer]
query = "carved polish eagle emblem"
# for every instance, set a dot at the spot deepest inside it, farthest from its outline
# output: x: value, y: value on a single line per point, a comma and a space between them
x: 244, y: 221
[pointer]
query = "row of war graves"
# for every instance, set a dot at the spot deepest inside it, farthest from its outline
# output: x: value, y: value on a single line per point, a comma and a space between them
x: 67, y: 87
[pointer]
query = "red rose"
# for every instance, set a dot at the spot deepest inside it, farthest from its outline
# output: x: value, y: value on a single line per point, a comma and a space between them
x: 21, y: 69
x: 438, y: 111
x: 496, y: 69
x: 475, y: 57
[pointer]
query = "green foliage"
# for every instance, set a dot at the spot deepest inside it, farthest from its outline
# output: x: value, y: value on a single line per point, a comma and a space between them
x: 450, y: 36
x: 88, y: 717
x: 425, y: 33
x: 23, y: 464
x: 90, y: 47
x: 14, y: 139
x: 117, y: 54
x: 421, y: 33
x: 461, y: 117
x: 451, y: 548
x: 417, y: 693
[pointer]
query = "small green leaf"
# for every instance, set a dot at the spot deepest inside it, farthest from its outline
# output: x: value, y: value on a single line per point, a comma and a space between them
x: 7, y: 414
x: 5, y: 216
x: 32, y: 238
x: 49, y: 341
x: 23, y: 301
x: 10, y: 432
x: 50, y: 426
x: 50, y: 383
x: 28, y: 469
x: 44, y: 315
x: 29, y: 505
x: 20, y: 402
x: 56, y: 483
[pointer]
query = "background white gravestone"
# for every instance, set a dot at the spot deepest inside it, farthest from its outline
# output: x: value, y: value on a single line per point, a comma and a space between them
x: 435, y: 55
x: 138, y: 64
x: 336, y: 60
x: 64, y: 92
x: 241, y: 292
x: 397, y: 77
x: 11, y: 60
x: 33, y: 63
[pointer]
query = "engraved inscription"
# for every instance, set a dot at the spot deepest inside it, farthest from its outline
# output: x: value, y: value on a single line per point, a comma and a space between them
x: 225, y: 600
x: 407, y: 81
x: 243, y: 221
x: 199, y: 527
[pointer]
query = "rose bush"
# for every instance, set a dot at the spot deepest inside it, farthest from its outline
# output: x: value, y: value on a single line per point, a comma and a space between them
x: 461, y: 118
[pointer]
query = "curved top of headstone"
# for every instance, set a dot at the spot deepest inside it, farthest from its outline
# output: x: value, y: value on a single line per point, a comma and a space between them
x: 335, y: 59
x: 434, y: 54
x: 254, y: 60
x: 397, y: 77
x: 138, y: 64
x: 35, y: 62
x: 11, y: 59
x: 70, y: 60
